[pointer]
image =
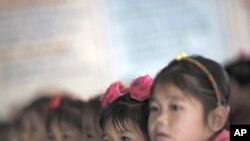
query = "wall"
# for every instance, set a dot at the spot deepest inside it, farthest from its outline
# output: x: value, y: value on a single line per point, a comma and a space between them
x: 84, y: 45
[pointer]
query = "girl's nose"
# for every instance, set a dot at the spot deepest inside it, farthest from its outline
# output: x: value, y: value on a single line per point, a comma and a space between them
x: 25, y: 137
x: 162, y: 119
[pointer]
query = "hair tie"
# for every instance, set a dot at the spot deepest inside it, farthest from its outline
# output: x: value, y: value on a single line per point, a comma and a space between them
x: 56, y: 100
x: 140, y: 88
x: 54, y: 103
x: 182, y: 56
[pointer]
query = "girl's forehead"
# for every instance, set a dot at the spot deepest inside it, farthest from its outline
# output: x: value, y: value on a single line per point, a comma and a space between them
x: 62, y: 125
x: 32, y: 116
x: 31, y: 113
x: 121, y: 126
x: 171, y: 92
x: 168, y: 91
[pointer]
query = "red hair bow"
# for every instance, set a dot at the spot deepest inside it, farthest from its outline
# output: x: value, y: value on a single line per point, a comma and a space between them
x: 114, y: 91
x: 139, y: 90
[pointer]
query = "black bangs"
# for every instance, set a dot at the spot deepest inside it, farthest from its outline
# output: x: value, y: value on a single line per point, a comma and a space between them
x: 38, y: 106
x: 63, y: 114
x: 239, y: 71
x: 93, y: 110
x: 179, y: 76
x: 124, y: 111
x: 121, y: 116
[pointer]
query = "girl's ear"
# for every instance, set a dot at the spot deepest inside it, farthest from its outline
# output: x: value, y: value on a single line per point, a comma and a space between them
x: 217, y: 118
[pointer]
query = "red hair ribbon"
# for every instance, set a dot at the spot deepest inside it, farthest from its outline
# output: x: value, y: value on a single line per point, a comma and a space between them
x: 139, y: 90
x: 114, y: 91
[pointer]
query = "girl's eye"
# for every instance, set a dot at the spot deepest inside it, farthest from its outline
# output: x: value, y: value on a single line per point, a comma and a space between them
x: 89, y: 136
x: 65, y: 136
x: 51, y: 138
x: 153, y: 109
x: 22, y: 129
x: 175, y: 107
x: 33, y: 129
x: 124, y: 139
x: 105, y: 139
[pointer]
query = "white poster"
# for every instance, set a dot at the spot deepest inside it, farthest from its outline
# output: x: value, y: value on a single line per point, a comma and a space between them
x: 50, y: 45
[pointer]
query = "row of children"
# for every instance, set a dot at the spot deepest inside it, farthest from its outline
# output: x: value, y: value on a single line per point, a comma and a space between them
x: 186, y: 101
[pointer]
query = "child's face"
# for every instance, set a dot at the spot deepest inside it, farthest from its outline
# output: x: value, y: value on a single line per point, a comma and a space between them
x: 8, y: 135
x: 91, y: 129
x: 64, y: 132
x: 32, y: 127
x: 175, y: 116
x: 131, y: 133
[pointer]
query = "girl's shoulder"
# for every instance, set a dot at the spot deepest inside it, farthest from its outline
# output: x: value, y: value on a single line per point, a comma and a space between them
x: 224, y: 135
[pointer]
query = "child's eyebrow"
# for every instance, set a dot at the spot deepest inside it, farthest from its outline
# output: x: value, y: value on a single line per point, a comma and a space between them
x: 177, y: 98
x: 123, y: 131
x: 171, y: 97
x: 119, y: 131
x: 152, y: 99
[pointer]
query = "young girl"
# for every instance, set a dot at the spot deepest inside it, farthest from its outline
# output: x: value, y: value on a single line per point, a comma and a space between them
x: 189, y: 101
x: 239, y: 73
x: 90, y: 120
x: 8, y: 131
x: 64, y: 120
x: 125, y: 111
x: 32, y: 121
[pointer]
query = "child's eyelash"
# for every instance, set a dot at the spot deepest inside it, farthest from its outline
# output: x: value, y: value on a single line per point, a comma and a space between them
x: 106, y: 139
x: 90, y: 136
x: 175, y: 107
x: 66, y: 136
x: 123, y: 138
x: 51, y: 138
x: 153, y: 108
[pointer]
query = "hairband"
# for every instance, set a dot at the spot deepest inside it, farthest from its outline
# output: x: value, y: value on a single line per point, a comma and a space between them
x: 139, y: 90
x: 183, y: 56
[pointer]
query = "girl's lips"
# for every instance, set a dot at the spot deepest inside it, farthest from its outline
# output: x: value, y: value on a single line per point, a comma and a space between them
x: 160, y: 136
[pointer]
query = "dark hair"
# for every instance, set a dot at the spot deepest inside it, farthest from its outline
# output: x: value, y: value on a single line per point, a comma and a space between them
x: 93, y: 109
x: 192, y: 80
x: 66, y: 112
x: 123, y: 110
x: 39, y: 106
x: 7, y: 126
x: 239, y: 70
